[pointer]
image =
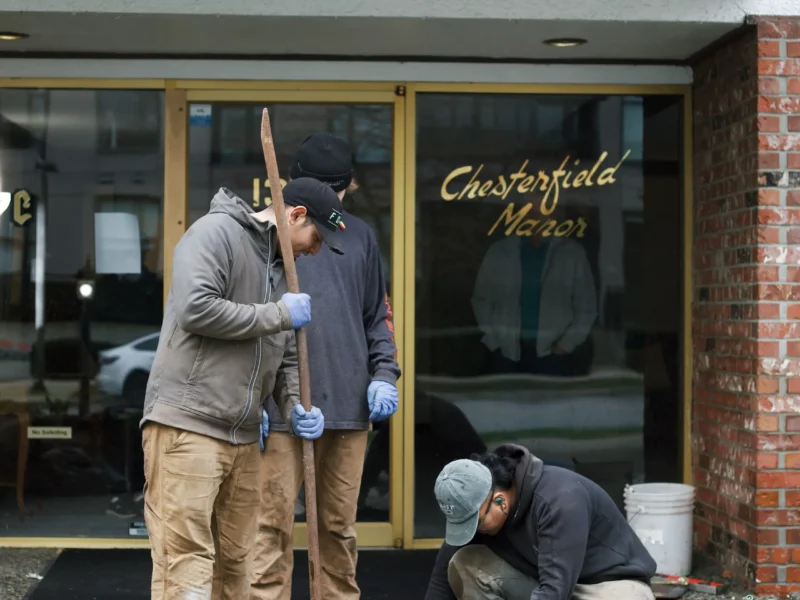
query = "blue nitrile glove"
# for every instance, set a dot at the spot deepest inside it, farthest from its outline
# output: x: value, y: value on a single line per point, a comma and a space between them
x: 264, y: 428
x: 307, y: 425
x: 299, y: 307
x: 382, y: 400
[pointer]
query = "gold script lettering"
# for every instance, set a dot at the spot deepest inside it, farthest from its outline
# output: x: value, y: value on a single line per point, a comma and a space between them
x: 453, y: 174
x: 564, y: 228
x: 527, y: 184
x: 566, y: 179
x: 527, y: 227
x: 524, y: 181
x: 549, y: 183
x: 472, y: 185
x: 554, y: 185
x: 518, y: 175
x: 579, y: 178
x: 607, y: 176
x: 514, y: 222
x: 550, y: 225
x: 596, y: 166
x: 511, y: 219
x: 581, y: 225
x: 22, y: 207
x: 501, y: 189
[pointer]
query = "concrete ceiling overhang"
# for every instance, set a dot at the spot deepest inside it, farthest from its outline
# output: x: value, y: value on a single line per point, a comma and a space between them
x: 666, y: 31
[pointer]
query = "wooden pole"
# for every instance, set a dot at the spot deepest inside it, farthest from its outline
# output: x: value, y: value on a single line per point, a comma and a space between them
x: 302, y: 352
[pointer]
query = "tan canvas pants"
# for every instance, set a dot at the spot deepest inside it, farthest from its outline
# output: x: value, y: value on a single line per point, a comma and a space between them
x: 189, y: 477
x: 339, y: 458
x: 477, y: 573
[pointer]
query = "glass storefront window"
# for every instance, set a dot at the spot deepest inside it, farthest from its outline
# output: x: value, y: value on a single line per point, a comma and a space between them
x: 548, y: 285
x: 81, y: 303
x: 225, y: 151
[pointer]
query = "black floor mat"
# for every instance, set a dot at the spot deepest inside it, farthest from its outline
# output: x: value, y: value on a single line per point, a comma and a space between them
x: 125, y: 575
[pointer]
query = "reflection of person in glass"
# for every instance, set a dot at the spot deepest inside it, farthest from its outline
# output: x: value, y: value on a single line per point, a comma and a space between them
x: 535, y: 302
x: 227, y: 342
x: 353, y: 366
x: 521, y: 530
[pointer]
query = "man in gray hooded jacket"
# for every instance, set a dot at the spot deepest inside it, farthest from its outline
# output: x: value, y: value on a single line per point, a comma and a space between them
x: 227, y: 343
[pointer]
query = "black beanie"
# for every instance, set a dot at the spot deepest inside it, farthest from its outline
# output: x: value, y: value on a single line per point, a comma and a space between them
x: 324, y: 157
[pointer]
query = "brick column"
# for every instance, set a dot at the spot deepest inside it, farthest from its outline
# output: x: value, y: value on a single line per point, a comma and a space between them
x: 746, y: 311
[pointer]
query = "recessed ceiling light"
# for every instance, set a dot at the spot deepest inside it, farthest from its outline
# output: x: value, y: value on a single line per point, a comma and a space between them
x: 565, y: 42
x: 11, y: 36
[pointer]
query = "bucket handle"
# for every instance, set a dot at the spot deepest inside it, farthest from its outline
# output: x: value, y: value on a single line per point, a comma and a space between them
x: 638, y: 512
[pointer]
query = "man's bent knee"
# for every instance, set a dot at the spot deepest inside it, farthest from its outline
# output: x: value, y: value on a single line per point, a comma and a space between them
x: 470, y: 557
x: 463, y: 570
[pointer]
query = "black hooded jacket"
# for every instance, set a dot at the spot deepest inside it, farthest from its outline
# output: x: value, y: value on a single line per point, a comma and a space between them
x: 563, y: 529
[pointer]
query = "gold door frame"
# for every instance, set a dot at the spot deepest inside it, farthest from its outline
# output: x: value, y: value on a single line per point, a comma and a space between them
x: 686, y: 364
x: 178, y: 98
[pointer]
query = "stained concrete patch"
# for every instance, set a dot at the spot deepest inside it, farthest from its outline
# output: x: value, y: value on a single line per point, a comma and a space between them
x: 704, y: 568
x: 20, y: 569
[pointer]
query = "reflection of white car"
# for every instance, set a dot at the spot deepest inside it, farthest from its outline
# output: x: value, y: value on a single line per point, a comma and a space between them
x: 124, y: 370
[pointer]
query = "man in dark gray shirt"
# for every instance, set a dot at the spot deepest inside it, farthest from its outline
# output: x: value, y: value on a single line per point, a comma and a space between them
x: 353, y: 368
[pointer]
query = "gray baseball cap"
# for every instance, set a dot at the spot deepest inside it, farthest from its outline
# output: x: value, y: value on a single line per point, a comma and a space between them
x: 460, y: 489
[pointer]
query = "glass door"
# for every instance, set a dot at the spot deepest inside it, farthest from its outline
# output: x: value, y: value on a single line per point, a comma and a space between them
x: 224, y: 150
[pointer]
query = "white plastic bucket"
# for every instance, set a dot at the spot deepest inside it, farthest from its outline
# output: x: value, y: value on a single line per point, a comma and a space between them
x: 661, y: 514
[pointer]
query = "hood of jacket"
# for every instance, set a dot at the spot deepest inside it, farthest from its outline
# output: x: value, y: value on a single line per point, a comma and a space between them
x: 241, y: 211
x: 526, y: 478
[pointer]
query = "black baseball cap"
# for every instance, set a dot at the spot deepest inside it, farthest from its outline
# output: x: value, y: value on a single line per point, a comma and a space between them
x: 326, y: 158
x: 322, y: 205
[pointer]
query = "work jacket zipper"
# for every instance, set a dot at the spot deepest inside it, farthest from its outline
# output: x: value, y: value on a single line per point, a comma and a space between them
x: 257, y: 364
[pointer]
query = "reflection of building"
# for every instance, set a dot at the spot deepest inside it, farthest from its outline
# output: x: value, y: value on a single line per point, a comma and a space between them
x: 689, y: 246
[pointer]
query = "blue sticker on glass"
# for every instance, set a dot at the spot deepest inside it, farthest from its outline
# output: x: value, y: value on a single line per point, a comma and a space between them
x: 200, y: 115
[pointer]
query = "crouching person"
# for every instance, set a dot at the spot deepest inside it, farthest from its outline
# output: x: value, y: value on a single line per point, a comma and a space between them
x: 227, y: 342
x: 519, y: 530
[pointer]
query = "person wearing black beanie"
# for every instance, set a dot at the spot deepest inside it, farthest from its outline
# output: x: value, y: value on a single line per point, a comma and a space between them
x: 327, y: 158
x: 354, y: 370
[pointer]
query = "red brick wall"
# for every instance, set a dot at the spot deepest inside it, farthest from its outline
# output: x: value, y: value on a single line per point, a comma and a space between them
x: 746, y: 311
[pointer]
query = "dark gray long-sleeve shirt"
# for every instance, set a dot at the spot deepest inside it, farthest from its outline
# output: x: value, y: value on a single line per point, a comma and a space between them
x: 351, y: 333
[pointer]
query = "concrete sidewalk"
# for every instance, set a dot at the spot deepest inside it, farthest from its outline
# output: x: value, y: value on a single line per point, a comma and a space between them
x: 19, y: 568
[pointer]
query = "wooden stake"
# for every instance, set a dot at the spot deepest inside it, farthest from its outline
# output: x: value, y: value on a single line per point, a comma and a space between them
x: 302, y: 352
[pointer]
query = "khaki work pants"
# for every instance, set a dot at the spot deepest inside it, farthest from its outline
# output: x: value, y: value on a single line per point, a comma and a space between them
x: 339, y: 458
x: 189, y: 478
x: 477, y: 573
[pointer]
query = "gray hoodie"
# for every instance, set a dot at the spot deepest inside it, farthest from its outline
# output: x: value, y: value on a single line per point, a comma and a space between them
x: 227, y: 340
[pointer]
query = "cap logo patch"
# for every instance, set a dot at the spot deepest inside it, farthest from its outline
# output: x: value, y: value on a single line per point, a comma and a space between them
x: 447, y: 509
x: 336, y: 219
